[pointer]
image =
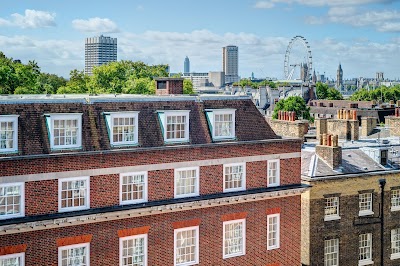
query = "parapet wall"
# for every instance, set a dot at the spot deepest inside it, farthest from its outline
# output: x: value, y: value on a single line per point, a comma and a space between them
x: 289, y: 128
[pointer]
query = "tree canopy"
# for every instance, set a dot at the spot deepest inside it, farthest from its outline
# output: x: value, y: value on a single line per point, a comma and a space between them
x: 254, y: 85
x: 293, y: 103
x: 325, y: 92
x: 114, y: 77
x: 382, y: 92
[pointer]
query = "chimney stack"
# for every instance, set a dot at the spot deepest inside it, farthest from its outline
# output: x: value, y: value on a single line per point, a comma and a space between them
x: 329, y: 150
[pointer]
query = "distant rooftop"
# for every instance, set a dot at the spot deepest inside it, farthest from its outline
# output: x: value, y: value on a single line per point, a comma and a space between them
x: 89, y: 98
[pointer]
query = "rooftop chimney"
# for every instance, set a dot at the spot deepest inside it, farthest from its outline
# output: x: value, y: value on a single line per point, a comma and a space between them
x: 329, y: 150
x: 167, y: 86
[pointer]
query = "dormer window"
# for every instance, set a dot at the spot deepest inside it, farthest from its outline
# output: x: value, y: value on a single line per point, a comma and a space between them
x: 222, y: 123
x: 175, y: 125
x: 8, y: 133
x: 65, y: 130
x: 122, y: 128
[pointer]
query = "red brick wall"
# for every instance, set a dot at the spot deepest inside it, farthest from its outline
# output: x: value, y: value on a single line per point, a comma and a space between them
x: 104, y: 246
x: 182, y: 154
x: 42, y: 196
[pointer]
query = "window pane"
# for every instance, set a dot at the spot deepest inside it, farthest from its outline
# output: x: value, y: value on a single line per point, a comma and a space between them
x: 186, y: 249
x: 73, y: 193
x: 233, y: 238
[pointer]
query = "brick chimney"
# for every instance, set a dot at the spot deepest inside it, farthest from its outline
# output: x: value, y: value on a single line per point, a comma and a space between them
x: 329, y: 151
x: 167, y: 86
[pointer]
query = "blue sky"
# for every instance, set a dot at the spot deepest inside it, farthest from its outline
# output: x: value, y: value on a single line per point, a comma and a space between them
x: 363, y: 35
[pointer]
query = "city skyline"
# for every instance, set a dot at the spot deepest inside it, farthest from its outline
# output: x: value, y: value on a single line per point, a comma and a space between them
x: 360, y: 34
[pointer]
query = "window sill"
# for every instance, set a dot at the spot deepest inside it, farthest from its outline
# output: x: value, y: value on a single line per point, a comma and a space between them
x: 365, y: 262
x: 396, y: 208
x: 234, y: 189
x: 72, y: 209
x: 365, y: 213
x: 272, y: 247
x: 332, y: 218
x: 233, y: 255
x: 127, y: 202
x: 186, y: 195
x: 395, y: 256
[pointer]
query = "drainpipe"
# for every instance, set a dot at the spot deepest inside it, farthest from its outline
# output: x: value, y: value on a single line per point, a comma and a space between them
x: 382, y: 183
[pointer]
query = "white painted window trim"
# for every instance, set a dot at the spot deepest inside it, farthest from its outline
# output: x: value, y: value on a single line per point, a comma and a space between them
x: 121, y: 241
x: 72, y: 116
x: 86, y: 245
x: 222, y: 112
x: 14, y: 255
x: 332, y: 217
x: 14, y: 120
x: 22, y: 200
x: 176, y: 231
x: 393, y: 208
x: 226, y: 256
x: 176, y: 113
x: 243, y: 187
x: 393, y: 256
x: 278, y: 173
x: 366, y: 212
x: 67, y: 209
x: 367, y: 261
x: 132, y: 114
x: 278, y: 231
x: 337, y: 248
x: 197, y: 183
x: 145, y: 189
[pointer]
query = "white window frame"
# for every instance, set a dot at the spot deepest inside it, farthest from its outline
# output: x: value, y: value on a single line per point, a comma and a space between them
x: 368, y: 261
x: 243, y: 221
x: 243, y: 187
x: 22, y: 200
x: 395, y: 243
x: 87, y: 199
x: 278, y: 173
x: 121, y: 247
x: 395, y: 201
x: 335, y: 216
x: 333, y: 243
x: 278, y: 223
x: 224, y: 112
x: 145, y: 188
x: 135, y: 116
x: 175, y: 113
x: 196, y: 184
x: 14, y: 120
x: 367, y: 211
x: 176, y: 231
x: 62, y: 248
x: 14, y: 255
x: 72, y: 116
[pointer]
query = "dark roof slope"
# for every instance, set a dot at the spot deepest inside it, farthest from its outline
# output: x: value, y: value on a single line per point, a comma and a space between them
x: 33, y: 135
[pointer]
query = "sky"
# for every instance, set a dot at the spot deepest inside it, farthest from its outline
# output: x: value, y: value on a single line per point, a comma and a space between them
x: 362, y: 35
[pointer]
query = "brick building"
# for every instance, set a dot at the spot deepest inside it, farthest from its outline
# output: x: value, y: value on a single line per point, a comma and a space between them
x: 342, y: 219
x: 149, y: 180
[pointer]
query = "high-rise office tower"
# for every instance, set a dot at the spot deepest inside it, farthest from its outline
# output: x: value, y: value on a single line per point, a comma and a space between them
x: 99, y: 50
x: 230, y: 63
x: 339, y: 77
x: 186, y: 65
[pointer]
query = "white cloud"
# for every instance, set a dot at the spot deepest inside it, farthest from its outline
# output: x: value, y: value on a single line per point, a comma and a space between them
x: 99, y: 25
x: 31, y: 19
x: 262, y: 55
x: 268, y: 4
x: 264, y: 4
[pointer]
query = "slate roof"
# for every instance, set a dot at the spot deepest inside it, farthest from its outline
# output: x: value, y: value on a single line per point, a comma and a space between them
x: 354, y: 161
x: 33, y: 136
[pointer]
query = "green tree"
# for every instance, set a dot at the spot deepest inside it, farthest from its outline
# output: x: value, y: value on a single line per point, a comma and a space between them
x: 77, y: 83
x: 293, y: 103
x: 324, y: 92
x: 188, y: 87
x: 139, y: 86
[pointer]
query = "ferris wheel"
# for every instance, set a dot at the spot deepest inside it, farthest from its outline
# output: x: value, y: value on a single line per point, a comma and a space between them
x: 291, y: 63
